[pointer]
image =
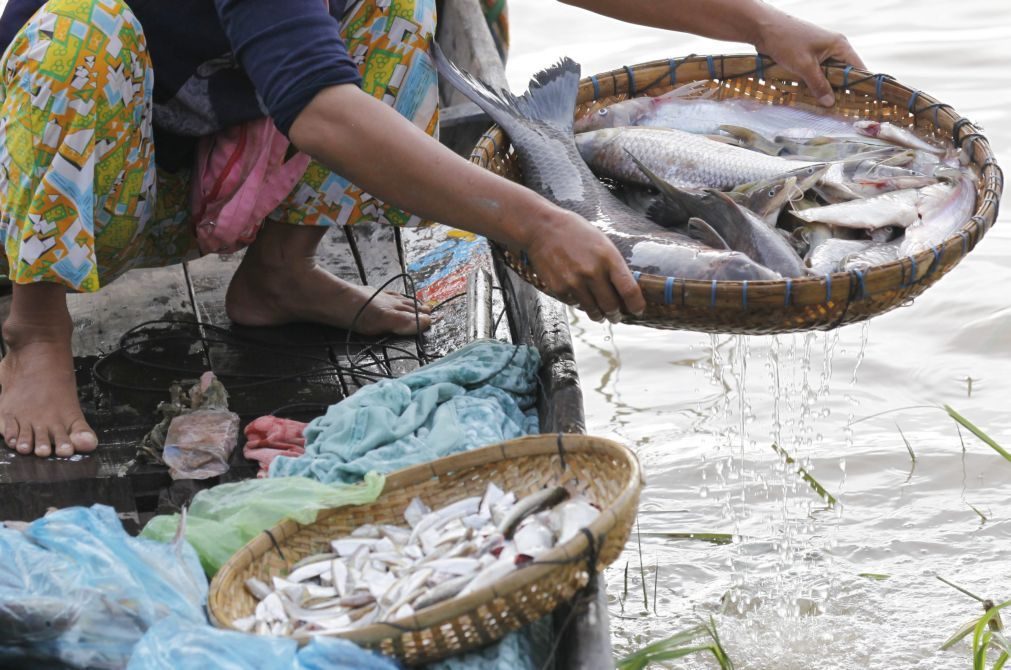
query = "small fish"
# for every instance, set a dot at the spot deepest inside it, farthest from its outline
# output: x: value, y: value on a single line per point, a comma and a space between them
x: 942, y: 209
x: 309, y: 571
x: 897, y: 208
x: 438, y: 518
x: 257, y: 588
x: 444, y: 591
x: 896, y: 135
x: 827, y: 257
x: 532, y: 504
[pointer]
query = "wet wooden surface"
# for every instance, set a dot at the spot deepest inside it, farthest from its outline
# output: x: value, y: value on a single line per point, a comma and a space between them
x: 125, y: 368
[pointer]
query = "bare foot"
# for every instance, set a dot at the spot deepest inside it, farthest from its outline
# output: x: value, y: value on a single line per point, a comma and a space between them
x: 39, y: 410
x: 303, y: 291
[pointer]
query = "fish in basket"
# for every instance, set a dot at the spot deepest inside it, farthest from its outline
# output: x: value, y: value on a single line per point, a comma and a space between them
x: 739, y: 204
x: 453, y: 555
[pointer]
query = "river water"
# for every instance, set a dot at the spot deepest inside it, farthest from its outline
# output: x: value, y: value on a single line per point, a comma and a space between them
x: 702, y: 411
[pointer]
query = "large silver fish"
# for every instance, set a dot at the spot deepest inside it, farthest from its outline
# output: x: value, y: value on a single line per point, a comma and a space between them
x: 539, y: 125
x: 682, y: 159
x: 686, y: 110
x: 742, y: 230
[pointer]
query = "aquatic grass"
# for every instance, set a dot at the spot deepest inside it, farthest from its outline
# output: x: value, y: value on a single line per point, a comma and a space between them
x: 960, y: 422
x: 972, y: 428
x: 642, y: 569
x: 982, y: 516
x: 984, y: 635
x: 679, y: 645
x: 909, y: 447
x: 712, y: 538
x: 876, y: 576
x: 806, y: 476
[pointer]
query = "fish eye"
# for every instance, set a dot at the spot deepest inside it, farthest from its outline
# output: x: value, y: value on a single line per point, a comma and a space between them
x: 772, y: 193
x: 602, y: 111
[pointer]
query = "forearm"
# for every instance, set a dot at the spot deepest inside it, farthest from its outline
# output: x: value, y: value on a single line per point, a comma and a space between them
x: 729, y: 20
x: 369, y: 143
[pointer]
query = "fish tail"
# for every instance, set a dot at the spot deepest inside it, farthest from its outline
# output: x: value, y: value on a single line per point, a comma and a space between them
x: 550, y: 98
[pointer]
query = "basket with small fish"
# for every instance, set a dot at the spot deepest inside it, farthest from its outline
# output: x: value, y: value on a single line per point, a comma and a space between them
x: 453, y: 555
x: 739, y: 204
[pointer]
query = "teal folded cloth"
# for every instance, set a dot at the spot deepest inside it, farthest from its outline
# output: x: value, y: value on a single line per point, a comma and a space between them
x: 481, y: 394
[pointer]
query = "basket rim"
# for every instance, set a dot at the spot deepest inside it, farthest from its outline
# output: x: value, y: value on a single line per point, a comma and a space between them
x: 524, y: 447
x: 723, y: 68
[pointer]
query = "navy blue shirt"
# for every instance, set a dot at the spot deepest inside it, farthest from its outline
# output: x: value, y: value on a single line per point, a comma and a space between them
x: 218, y: 63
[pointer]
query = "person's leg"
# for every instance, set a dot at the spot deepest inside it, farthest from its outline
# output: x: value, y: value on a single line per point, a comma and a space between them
x: 278, y: 280
x: 76, y: 191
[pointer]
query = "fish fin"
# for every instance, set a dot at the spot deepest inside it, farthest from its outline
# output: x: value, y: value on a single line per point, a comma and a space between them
x: 550, y: 98
x: 695, y: 89
x: 706, y: 234
x: 665, y: 213
x: 667, y: 190
x: 754, y: 140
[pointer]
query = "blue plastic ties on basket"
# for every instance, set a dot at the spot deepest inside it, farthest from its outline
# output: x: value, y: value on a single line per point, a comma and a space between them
x: 846, y: 76
x: 596, y: 86
x: 828, y: 286
x: 635, y: 275
x: 964, y: 234
x: 759, y: 66
x: 912, y: 271
x: 862, y: 288
x: 668, y: 291
x: 744, y: 294
x: 673, y: 64
x: 631, y: 79
x: 878, y: 80
x: 937, y: 259
x: 712, y: 67
x: 789, y: 292
x: 712, y: 294
x: 912, y: 101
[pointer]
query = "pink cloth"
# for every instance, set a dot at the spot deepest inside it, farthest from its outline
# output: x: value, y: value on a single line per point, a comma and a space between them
x: 269, y: 437
x: 241, y: 176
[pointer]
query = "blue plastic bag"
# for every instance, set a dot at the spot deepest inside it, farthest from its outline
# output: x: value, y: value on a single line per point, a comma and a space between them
x: 76, y: 588
x: 175, y: 644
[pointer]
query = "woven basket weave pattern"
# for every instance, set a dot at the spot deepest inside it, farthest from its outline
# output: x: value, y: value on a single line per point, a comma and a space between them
x: 822, y: 303
x: 608, y: 474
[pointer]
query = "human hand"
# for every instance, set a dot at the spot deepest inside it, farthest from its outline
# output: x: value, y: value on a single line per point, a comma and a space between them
x: 581, y: 267
x: 801, y: 48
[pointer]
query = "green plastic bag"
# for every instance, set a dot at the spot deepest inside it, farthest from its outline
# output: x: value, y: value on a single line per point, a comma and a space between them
x: 221, y: 520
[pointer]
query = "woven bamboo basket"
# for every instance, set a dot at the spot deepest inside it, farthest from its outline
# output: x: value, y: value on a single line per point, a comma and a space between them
x: 822, y: 303
x: 607, y: 473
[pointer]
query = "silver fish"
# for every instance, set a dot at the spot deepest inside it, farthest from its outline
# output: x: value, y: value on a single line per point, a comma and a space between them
x: 877, y: 253
x: 741, y: 229
x: 691, y: 109
x: 942, y: 209
x: 827, y: 257
x: 539, y: 124
x: 531, y: 504
x: 897, y: 208
x: 681, y: 159
x: 896, y: 135
x: 443, y: 591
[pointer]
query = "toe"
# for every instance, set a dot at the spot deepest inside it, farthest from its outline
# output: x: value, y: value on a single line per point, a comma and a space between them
x: 10, y: 431
x: 411, y: 324
x: 82, y: 437
x: 61, y: 442
x: 25, y: 440
x: 42, y: 447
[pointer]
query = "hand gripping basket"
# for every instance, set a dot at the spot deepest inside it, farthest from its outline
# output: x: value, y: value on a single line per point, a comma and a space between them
x: 607, y: 473
x: 823, y: 303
